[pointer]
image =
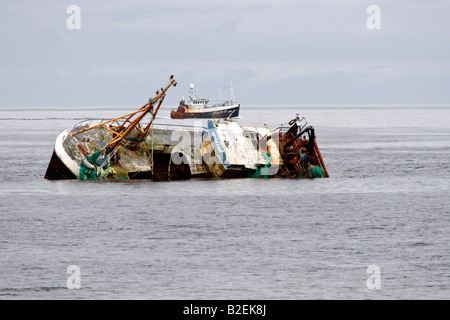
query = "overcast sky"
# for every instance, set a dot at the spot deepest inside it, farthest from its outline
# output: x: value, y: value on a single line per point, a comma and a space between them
x: 275, y: 52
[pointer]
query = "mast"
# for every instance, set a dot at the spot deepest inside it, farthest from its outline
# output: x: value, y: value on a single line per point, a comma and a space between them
x: 232, y: 92
x: 220, y: 92
x: 132, y: 120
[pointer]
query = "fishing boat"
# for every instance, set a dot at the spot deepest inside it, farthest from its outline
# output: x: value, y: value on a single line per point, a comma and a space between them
x: 201, y: 108
x: 128, y: 147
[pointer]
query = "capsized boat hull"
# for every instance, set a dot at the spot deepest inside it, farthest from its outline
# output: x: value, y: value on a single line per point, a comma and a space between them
x: 222, y: 149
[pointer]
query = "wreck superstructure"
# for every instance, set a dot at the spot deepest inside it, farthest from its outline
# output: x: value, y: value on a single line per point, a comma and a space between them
x: 230, y: 149
x: 127, y: 147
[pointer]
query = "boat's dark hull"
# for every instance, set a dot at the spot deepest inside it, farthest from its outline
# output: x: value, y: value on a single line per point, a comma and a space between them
x: 223, y: 113
x: 57, y: 170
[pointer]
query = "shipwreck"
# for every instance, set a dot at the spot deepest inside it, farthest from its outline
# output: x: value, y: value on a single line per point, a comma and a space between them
x: 133, y: 146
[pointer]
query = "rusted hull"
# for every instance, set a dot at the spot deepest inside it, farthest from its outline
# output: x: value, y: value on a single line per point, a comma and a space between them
x: 184, y: 113
x: 290, y: 144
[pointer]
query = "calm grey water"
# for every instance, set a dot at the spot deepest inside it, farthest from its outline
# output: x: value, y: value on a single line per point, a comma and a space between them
x: 386, y: 203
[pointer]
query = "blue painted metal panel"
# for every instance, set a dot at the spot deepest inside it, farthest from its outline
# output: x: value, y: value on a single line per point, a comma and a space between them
x: 217, y: 144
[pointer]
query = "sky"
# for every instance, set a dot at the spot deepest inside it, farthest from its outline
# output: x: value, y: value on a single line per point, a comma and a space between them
x: 292, y: 52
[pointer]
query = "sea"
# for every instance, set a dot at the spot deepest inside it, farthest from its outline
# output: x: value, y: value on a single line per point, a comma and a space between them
x: 378, y: 228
